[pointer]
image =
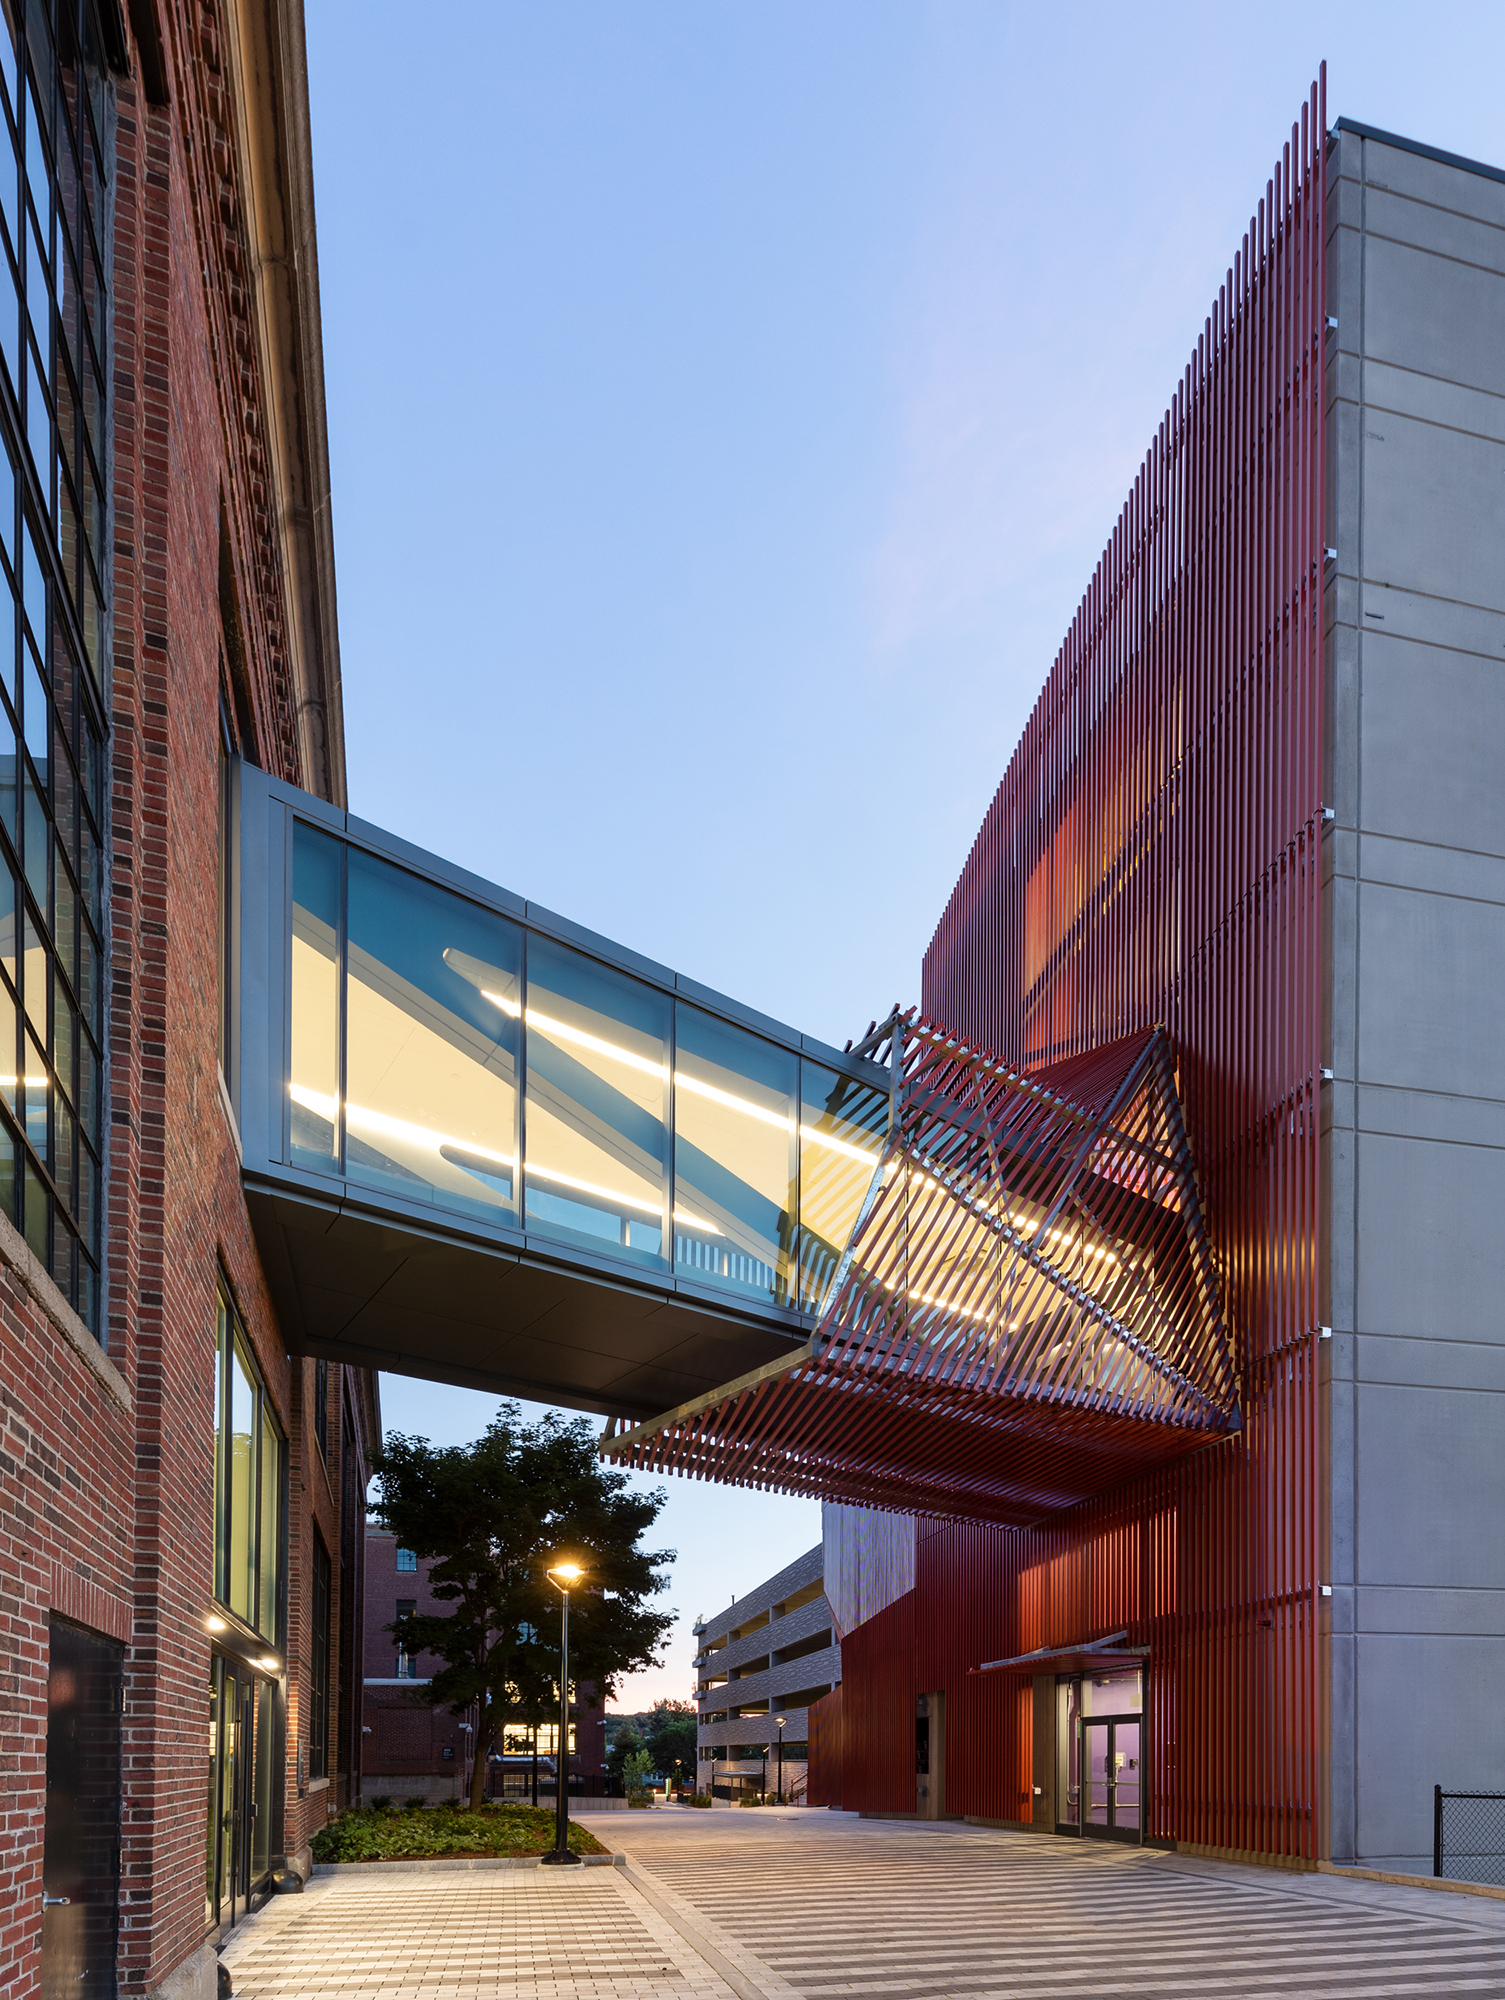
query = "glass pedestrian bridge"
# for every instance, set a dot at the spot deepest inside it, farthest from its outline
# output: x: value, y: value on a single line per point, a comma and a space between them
x: 484, y: 1146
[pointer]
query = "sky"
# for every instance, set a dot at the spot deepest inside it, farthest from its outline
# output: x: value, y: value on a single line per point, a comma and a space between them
x: 728, y: 403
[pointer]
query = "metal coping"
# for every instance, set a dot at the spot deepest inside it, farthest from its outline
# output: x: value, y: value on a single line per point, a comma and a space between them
x: 349, y: 826
x: 1415, y: 146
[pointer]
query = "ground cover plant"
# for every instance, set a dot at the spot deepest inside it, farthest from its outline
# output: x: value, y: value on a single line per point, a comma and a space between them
x: 443, y: 1831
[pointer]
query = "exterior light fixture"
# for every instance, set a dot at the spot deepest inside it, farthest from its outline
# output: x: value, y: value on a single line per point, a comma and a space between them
x: 563, y: 1576
x: 779, y: 1795
x: 271, y: 1662
x: 213, y: 1624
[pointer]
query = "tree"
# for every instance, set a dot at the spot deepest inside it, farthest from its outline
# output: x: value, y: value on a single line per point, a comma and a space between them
x: 671, y: 1733
x: 625, y: 1743
x: 490, y: 1517
x: 636, y: 1769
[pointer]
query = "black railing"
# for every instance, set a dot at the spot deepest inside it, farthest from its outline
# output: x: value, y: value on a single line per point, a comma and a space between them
x: 1468, y: 1836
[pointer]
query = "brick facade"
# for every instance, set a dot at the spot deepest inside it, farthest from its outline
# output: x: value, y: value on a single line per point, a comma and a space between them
x: 107, y: 1454
x: 405, y: 1739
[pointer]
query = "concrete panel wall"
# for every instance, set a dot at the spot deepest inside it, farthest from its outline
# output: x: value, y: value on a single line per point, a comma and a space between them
x: 1415, y: 1118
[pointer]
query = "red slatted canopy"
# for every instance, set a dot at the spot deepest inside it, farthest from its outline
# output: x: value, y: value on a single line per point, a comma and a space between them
x: 1027, y: 1313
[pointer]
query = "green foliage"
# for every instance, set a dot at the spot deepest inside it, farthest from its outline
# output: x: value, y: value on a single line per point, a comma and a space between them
x: 751, y: 1799
x: 489, y: 1517
x: 666, y: 1732
x: 433, y: 1832
x: 625, y: 1743
x: 637, y: 1770
x: 700, y: 1799
x: 671, y: 1734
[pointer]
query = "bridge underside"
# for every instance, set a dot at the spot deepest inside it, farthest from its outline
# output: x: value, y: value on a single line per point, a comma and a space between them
x: 350, y: 1287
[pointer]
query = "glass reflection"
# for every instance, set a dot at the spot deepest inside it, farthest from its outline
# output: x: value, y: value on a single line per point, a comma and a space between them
x: 314, y: 1085
x: 735, y: 1156
x: 843, y: 1124
x: 597, y: 1104
x: 431, y: 1032
x: 242, y: 1593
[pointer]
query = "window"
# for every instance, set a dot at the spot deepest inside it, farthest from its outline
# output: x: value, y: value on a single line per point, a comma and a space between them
x: 406, y: 1559
x: 318, y: 1666
x: 54, y: 165
x: 321, y: 1408
x: 407, y: 1663
x: 248, y: 1485
x: 548, y: 1739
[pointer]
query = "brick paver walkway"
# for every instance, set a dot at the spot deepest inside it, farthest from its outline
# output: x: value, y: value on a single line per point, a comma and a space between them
x: 813, y: 1906
x: 527, y: 1933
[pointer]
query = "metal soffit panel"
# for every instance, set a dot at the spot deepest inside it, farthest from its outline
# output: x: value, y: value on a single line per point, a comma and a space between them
x: 376, y: 1294
x: 1027, y: 1313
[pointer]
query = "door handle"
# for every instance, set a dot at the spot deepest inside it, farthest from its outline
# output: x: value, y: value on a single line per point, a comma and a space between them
x: 53, y: 1902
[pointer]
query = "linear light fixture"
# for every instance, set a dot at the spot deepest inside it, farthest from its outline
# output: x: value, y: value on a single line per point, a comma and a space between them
x: 563, y: 1031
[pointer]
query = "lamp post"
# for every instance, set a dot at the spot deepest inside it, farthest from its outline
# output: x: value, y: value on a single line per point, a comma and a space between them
x: 562, y: 1575
x: 677, y: 1781
x: 781, y: 1721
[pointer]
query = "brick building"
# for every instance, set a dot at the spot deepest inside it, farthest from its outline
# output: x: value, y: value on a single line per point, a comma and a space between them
x: 180, y: 1503
x: 413, y: 1750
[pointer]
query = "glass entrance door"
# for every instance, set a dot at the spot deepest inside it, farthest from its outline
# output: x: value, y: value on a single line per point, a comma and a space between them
x: 1110, y: 1766
x: 242, y: 1772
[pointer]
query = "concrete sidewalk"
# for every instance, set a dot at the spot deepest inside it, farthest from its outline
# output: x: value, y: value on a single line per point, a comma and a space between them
x: 788, y: 1905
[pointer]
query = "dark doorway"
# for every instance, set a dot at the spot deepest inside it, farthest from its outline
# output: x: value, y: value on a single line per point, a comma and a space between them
x: 81, y: 1837
x: 930, y: 1756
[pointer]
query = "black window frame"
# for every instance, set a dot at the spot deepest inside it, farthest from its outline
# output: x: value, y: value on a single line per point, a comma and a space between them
x: 319, y: 1661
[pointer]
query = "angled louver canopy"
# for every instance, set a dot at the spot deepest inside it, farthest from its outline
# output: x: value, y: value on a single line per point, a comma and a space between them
x: 1026, y: 1315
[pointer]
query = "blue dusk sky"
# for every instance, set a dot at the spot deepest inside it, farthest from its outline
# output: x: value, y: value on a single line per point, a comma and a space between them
x: 728, y: 403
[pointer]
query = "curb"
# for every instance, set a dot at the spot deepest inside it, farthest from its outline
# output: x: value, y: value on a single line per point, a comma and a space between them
x: 435, y: 1867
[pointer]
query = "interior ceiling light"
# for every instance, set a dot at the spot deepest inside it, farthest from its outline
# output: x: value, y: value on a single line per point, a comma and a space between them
x: 562, y: 1031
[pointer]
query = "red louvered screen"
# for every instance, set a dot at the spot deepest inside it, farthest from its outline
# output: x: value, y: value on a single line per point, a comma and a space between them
x: 1154, y: 855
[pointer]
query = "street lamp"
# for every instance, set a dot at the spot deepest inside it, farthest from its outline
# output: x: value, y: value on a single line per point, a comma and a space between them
x: 563, y: 1576
x: 781, y: 1720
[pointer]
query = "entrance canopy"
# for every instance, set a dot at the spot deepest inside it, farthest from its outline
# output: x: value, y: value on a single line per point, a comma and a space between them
x: 483, y: 1145
x: 1027, y: 1314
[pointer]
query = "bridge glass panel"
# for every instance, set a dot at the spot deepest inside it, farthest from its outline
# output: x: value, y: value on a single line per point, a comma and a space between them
x: 842, y: 1128
x: 314, y: 1086
x: 735, y: 1156
x: 597, y: 1146
x: 432, y: 1023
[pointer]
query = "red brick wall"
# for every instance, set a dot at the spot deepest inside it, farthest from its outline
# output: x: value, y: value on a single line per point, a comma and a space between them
x: 405, y: 1741
x: 106, y: 1467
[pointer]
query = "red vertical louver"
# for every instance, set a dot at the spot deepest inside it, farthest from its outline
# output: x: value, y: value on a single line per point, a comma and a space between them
x: 1154, y: 856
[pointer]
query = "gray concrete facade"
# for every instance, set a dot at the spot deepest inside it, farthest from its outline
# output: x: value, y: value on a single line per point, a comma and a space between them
x: 1414, y: 1120
x: 751, y: 1658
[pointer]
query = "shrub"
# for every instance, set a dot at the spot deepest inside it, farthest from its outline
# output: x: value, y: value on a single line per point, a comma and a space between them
x: 417, y: 1803
x: 441, y: 1830
x: 382, y: 1802
x: 700, y: 1798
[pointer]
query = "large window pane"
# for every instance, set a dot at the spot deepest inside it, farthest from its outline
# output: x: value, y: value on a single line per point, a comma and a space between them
x: 221, y: 1458
x: 842, y: 1128
x: 242, y: 1597
x: 432, y: 1025
x: 598, y: 1105
x: 735, y: 1156
x: 314, y: 1085
x: 271, y: 1526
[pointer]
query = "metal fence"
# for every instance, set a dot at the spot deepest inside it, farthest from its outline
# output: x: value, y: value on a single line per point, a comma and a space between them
x: 1468, y: 1836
